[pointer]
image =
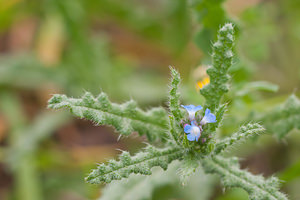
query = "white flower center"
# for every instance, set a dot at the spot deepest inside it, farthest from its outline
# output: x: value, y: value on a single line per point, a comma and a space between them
x: 195, y: 130
x: 192, y: 115
x: 203, y: 121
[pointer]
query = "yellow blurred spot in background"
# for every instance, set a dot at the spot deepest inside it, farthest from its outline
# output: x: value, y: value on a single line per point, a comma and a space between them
x: 202, y: 83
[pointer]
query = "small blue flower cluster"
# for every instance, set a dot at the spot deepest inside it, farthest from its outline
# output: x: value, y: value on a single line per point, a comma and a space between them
x: 195, y: 129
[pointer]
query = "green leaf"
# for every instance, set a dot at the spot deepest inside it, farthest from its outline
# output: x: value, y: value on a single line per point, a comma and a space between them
x: 27, y: 72
x: 174, y: 102
x: 141, y: 163
x: 283, y: 118
x: 218, y: 73
x: 126, y: 118
x: 210, y: 14
x: 174, y: 106
x: 232, y: 176
x: 188, y: 168
x: 30, y: 137
x: 291, y: 173
x: 257, y: 85
x: 174, y: 130
x: 138, y: 187
x: 245, y: 132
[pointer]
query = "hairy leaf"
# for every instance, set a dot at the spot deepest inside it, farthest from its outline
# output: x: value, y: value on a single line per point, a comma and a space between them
x: 257, y: 187
x: 218, y: 73
x: 245, y: 132
x: 126, y: 118
x: 188, y: 168
x: 284, y: 118
x: 174, y: 105
x: 138, y: 187
x: 141, y: 163
x: 174, y: 131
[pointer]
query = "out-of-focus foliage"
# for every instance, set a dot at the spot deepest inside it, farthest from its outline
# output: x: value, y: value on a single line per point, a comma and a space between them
x: 284, y: 118
x: 105, y: 71
x: 210, y: 14
x: 270, y: 39
x: 24, y: 143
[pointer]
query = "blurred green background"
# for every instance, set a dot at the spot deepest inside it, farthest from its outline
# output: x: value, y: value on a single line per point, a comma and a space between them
x: 124, y: 48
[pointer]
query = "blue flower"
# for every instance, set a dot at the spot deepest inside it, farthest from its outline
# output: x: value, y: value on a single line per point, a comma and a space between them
x: 208, y: 117
x: 192, y: 110
x: 193, y: 130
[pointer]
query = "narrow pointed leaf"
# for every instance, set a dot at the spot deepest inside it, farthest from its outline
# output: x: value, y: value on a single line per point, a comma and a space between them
x: 245, y: 132
x: 125, y: 118
x: 141, y: 163
x: 282, y: 119
x: 218, y: 73
x: 232, y: 176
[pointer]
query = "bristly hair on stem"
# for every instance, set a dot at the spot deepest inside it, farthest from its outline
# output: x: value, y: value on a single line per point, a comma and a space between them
x: 218, y: 73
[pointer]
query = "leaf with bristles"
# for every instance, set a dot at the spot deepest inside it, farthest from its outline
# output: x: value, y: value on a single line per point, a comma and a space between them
x: 126, y: 118
x: 141, y: 163
x: 174, y: 102
x: 245, y: 132
x: 232, y: 176
x: 138, y: 187
x: 218, y: 73
x: 174, y: 106
x: 282, y: 119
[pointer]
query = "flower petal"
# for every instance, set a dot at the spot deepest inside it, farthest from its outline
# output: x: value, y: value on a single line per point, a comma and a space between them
x: 207, y: 111
x: 211, y: 118
x: 197, y: 108
x: 189, y: 108
x: 208, y: 118
x: 195, y: 130
x: 192, y: 108
x: 197, y: 136
x: 191, y: 137
x: 187, y: 129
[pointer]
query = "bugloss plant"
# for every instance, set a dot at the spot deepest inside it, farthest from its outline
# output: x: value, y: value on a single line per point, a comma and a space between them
x: 187, y: 132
